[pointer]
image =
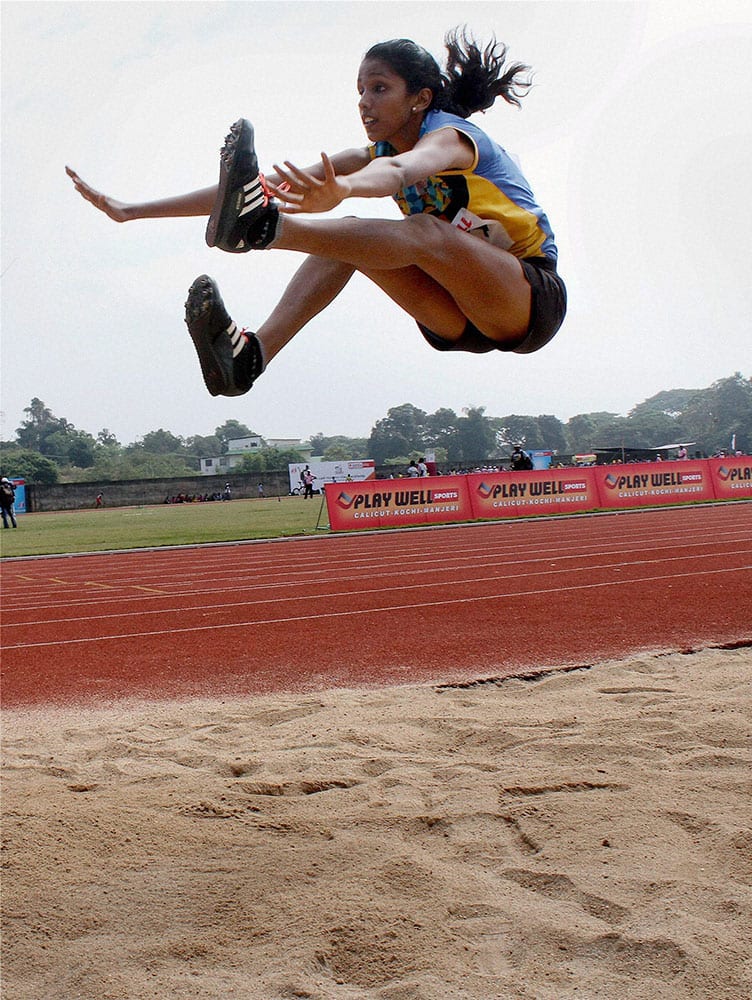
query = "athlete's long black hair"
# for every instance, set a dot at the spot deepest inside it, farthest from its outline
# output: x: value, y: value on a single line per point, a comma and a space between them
x: 473, y: 77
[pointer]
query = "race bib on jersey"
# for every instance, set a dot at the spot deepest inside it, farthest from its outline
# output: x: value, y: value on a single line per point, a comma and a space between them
x: 467, y: 220
x: 486, y: 229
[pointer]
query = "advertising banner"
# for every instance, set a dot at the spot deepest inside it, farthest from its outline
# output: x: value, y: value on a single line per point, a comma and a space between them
x: 331, y: 472
x: 732, y: 477
x: 647, y: 484
x: 515, y: 494
x: 19, y: 504
x: 541, y: 459
x: 394, y: 503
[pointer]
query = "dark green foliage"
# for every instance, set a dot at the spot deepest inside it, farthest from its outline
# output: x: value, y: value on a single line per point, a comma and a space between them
x: 48, y: 447
x: 23, y: 463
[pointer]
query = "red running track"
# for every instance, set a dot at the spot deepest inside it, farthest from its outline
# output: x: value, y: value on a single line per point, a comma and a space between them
x: 445, y: 605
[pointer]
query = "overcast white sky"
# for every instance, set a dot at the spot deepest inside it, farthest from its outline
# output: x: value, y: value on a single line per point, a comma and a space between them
x: 637, y: 140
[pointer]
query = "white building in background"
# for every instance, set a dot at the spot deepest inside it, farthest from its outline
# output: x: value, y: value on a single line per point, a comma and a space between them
x: 239, y: 447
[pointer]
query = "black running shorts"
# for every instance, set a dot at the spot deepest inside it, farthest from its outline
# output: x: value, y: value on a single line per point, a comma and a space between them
x: 548, y: 308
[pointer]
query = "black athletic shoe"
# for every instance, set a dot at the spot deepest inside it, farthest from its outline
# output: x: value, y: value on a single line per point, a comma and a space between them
x: 244, y: 217
x: 230, y: 358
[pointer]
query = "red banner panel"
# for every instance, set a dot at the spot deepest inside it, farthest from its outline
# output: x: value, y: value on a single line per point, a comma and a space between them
x: 647, y: 484
x: 516, y: 494
x: 392, y: 503
x: 732, y: 477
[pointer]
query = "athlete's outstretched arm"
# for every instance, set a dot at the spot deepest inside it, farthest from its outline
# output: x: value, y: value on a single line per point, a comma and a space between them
x: 308, y: 191
x: 198, y: 202
x: 193, y: 203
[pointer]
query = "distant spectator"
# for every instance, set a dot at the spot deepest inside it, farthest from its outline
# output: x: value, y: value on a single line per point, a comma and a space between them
x: 99, y: 501
x: 519, y: 460
x: 7, y: 499
x: 412, y: 470
x: 681, y: 454
x: 261, y: 491
x: 422, y: 467
x: 227, y: 495
x: 307, y: 478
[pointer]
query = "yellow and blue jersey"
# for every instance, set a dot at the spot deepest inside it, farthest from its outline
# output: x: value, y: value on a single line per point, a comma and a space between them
x: 491, y: 198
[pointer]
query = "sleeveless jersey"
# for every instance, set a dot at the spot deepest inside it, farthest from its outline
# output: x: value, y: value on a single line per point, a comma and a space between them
x: 491, y: 198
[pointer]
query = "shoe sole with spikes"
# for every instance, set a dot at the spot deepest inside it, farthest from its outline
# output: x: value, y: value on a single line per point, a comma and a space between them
x: 242, y: 195
x: 230, y: 358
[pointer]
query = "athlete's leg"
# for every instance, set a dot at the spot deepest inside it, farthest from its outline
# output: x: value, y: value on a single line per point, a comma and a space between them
x: 423, y: 298
x: 232, y: 358
x: 487, y: 284
x: 315, y: 284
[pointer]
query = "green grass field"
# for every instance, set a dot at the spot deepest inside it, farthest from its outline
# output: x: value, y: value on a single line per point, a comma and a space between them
x: 149, y: 527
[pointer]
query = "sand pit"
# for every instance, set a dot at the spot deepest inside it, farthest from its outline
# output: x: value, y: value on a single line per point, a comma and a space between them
x: 586, y: 834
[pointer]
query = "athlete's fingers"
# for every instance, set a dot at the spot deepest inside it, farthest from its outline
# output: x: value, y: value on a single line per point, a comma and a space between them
x: 303, y: 178
x: 83, y: 188
x: 77, y: 182
x: 288, y: 178
x: 283, y: 192
x: 281, y: 173
x: 115, y: 210
x: 329, y: 173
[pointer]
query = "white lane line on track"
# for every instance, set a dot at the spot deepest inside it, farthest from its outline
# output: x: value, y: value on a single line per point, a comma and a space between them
x: 582, y: 549
x: 671, y: 522
x: 639, y: 527
x: 283, y: 598
x: 240, y: 583
x: 372, y: 611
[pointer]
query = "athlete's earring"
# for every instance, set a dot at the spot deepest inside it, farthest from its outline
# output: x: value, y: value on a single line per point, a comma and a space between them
x: 414, y: 110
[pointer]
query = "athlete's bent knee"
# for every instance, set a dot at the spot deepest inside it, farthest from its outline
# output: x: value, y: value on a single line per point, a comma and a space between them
x: 425, y: 224
x: 429, y: 234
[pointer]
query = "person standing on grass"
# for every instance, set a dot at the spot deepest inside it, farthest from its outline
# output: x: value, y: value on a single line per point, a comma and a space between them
x: 7, y: 501
x: 474, y: 261
x: 307, y: 477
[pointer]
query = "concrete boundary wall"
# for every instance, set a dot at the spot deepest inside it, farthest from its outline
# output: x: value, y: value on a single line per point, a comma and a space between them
x: 143, y: 492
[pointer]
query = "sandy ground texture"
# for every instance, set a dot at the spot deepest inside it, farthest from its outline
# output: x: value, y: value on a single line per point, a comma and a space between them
x: 586, y: 834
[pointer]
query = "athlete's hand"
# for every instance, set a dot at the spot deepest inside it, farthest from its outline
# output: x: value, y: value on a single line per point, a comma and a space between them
x: 300, y: 191
x: 116, y: 210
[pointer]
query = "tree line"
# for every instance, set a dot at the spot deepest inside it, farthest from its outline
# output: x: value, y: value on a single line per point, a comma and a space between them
x: 48, y: 449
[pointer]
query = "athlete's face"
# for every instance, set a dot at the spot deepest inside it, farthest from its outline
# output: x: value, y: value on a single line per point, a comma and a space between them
x: 386, y: 107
